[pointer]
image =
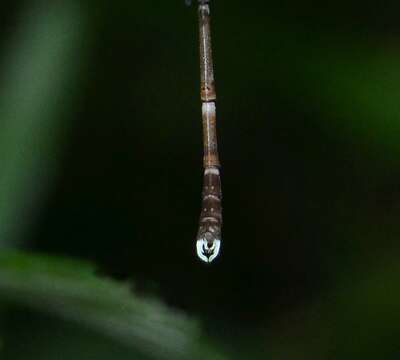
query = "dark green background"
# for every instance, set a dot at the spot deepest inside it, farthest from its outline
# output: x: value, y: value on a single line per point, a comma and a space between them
x: 309, y: 127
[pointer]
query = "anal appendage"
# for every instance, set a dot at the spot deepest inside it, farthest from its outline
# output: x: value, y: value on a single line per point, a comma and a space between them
x: 208, y: 242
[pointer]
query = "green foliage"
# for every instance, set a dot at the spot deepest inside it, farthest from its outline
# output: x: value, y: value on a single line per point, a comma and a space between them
x: 71, y: 291
x: 40, y: 66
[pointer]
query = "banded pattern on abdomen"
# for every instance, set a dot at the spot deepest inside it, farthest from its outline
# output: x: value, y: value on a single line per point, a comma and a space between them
x: 208, y: 240
x: 209, y: 234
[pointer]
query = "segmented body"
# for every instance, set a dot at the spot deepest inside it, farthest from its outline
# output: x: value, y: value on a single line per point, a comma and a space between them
x: 209, y: 234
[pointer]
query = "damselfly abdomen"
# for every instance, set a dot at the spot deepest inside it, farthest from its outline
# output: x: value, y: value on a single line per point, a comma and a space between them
x: 208, y: 241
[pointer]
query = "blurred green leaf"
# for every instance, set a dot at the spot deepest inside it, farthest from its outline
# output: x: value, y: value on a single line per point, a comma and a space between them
x: 33, y: 335
x: 41, y: 61
x: 71, y: 290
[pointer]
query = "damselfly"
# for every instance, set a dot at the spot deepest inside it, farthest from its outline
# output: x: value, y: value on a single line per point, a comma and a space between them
x: 208, y: 241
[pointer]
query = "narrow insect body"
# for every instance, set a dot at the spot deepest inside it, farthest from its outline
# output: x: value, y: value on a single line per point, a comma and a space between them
x: 211, y: 158
x: 208, y: 242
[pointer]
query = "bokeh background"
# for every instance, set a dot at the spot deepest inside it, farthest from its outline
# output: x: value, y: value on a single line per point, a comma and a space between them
x: 100, y: 162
